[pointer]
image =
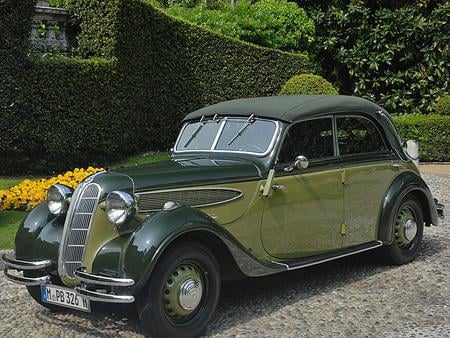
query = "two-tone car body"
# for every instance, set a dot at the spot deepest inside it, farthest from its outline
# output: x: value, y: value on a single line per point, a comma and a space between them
x: 253, y: 187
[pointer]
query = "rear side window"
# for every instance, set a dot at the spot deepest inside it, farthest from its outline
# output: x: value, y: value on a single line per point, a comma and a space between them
x: 358, y: 135
x: 313, y: 139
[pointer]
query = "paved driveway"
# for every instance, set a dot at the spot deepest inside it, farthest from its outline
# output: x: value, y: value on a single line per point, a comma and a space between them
x: 353, y: 297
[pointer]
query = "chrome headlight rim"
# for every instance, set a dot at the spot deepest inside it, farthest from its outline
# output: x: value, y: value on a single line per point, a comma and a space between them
x: 58, y: 199
x: 120, y: 207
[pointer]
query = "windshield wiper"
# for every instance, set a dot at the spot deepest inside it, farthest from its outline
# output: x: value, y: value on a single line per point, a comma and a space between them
x: 196, y: 131
x: 250, y: 120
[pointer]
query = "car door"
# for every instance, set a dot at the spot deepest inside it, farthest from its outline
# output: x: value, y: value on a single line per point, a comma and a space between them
x: 367, y: 171
x: 304, y: 212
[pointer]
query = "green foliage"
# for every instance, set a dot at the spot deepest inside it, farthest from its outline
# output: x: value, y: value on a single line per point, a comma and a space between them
x: 443, y: 105
x: 58, y: 113
x: 9, y: 223
x: 307, y: 84
x: 396, y: 55
x: 431, y: 131
x: 271, y: 23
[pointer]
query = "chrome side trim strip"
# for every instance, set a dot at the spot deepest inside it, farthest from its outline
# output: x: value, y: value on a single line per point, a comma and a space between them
x: 289, y: 268
x: 90, y: 278
x: 25, y: 265
x: 104, y: 297
x: 27, y: 281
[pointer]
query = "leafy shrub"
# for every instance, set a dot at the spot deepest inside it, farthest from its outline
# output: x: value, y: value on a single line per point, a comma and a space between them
x: 307, y: 84
x: 431, y: 131
x: 392, y: 52
x: 443, y: 105
x: 58, y: 113
x: 271, y: 23
x: 28, y: 193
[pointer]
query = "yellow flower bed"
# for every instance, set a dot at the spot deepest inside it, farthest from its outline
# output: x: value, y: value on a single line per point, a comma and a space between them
x: 28, y: 193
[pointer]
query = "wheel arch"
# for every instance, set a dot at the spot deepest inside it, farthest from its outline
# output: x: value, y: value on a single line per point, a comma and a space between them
x: 406, y: 183
x: 229, y: 269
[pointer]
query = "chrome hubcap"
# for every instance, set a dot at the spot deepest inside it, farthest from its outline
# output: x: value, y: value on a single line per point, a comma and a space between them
x: 405, y: 228
x: 410, y: 229
x: 190, y: 294
x: 183, y: 292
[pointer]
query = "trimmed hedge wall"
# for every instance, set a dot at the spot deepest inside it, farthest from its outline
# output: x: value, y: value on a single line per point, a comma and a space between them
x: 64, y: 112
x: 431, y: 131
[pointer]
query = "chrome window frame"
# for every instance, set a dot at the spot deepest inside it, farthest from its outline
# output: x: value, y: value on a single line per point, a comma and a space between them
x: 219, y: 133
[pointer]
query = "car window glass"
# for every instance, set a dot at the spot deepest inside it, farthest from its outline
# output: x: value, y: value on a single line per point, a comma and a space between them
x: 313, y: 139
x: 255, y: 138
x: 358, y: 135
x: 198, y: 136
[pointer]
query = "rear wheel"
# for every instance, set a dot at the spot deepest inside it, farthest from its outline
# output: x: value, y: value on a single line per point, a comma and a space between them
x: 182, y: 293
x: 408, y: 232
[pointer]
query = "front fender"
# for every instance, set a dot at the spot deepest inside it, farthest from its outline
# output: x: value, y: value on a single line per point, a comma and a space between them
x: 39, y: 235
x: 406, y: 182
x: 148, y: 243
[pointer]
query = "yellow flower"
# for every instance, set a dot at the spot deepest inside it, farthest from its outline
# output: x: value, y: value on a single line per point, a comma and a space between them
x: 28, y: 193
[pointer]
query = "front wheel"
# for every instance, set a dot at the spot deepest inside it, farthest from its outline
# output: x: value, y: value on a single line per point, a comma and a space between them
x: 408, y: 231
x: 182, y: 293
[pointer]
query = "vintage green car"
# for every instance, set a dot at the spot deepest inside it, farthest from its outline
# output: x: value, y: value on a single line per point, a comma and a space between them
x: 253, y: 187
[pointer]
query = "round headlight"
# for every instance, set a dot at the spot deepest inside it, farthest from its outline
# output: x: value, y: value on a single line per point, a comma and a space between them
x: 58, y: 198
x: 120, y: 207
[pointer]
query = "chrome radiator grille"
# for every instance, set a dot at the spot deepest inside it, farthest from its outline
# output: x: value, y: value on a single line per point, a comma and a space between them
x: 153, y: 201
x: 78, y: 222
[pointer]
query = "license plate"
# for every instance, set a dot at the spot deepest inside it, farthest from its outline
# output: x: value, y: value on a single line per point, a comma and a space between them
x: 65, y: 297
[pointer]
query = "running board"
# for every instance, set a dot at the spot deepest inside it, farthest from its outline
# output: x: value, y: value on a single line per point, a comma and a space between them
x: 309, y: 261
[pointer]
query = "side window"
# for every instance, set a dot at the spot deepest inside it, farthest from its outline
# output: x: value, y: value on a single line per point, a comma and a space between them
x: 313, y: 139
x: 358, y: 135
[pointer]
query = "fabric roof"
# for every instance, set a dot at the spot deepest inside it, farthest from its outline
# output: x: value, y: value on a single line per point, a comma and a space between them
x: 288, y: 108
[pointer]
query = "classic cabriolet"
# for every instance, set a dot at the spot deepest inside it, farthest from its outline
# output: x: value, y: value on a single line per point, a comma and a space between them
x: 253, y: 187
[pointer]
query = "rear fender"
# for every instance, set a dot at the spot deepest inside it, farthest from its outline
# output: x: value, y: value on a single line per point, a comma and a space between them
x: 405, y: 183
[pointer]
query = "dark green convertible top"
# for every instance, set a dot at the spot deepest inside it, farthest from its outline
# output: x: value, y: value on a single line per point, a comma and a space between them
x: 288, y: 108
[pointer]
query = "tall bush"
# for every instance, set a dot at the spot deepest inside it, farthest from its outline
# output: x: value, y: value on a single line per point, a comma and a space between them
x: 393, y: 52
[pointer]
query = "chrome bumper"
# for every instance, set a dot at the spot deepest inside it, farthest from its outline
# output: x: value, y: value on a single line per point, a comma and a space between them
x: 20, y: 265
x: 88, y: 281
x: 439, y: 208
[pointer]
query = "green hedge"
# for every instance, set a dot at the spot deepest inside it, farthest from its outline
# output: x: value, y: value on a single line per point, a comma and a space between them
x: 65, y: 112
x: 308, y: 84
x: 443, y: 105
x: 431, y: 131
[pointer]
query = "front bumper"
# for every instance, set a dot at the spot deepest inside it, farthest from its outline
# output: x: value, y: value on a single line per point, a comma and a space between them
x: 20, y: 265
x: 95, y: 287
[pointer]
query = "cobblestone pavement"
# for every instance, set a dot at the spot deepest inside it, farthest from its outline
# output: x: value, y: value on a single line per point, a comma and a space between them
x: 354, y: 297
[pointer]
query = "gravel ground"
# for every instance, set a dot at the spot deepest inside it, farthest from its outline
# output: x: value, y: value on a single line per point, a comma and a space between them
x: 357, y: 296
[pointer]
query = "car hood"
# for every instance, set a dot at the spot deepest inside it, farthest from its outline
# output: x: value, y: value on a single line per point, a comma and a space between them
x: 189, y: 172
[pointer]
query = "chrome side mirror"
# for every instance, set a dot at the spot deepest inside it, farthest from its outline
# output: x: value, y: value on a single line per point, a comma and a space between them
x: 301, y: 162
x: 411, y: 148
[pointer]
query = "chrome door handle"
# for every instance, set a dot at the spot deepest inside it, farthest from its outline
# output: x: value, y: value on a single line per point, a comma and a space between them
x: 278, y: 187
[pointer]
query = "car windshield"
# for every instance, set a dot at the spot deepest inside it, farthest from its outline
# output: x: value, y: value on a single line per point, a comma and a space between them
x: 249, y: 135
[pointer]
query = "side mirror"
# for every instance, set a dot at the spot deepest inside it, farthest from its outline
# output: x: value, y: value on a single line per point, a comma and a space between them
x: 411, y: 148
x: 301, y: 162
